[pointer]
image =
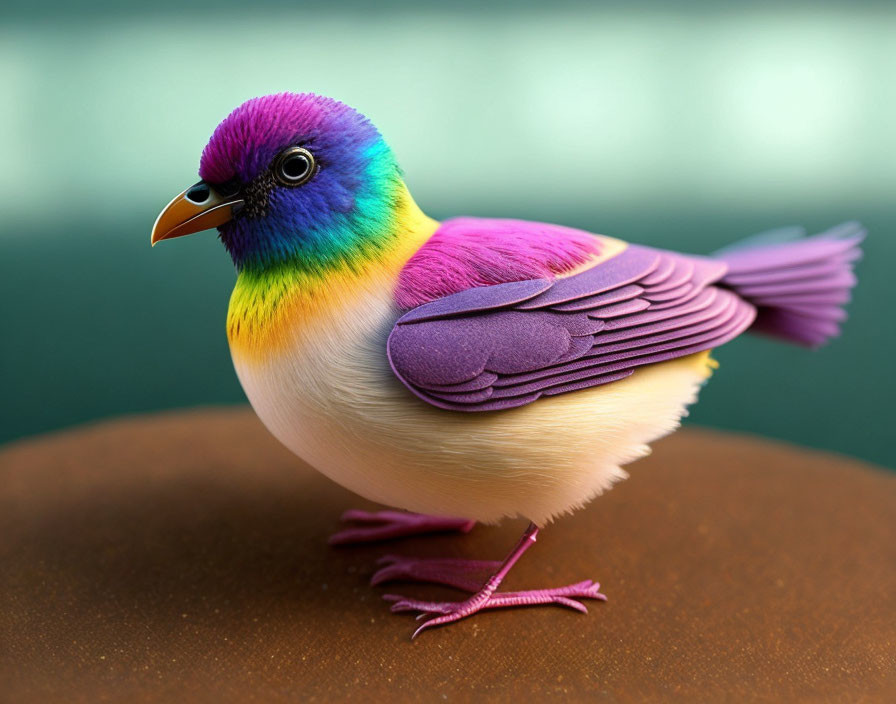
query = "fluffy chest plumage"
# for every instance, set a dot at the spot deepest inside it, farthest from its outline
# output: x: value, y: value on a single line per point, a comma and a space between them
x: 326, y: 392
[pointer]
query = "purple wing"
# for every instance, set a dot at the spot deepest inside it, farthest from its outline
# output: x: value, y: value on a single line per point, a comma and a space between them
x: 506, y: 345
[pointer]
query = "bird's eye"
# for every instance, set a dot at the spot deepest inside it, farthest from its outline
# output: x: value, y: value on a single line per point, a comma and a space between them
x: 294, y: 166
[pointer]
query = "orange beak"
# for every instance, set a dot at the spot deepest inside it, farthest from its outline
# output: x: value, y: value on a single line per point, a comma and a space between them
x: 198, y: 208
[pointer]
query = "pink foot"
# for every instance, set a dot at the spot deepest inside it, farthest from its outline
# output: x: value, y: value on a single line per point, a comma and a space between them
x: 384, y: 525
x: 458, y: 573
x: 468, y: 575
x: 564, y: 596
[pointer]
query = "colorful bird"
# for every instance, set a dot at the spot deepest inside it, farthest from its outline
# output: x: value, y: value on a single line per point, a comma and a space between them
x: 476, y: 368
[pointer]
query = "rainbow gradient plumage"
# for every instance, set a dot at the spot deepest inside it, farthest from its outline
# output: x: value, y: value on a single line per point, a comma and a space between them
x: 613, y: 338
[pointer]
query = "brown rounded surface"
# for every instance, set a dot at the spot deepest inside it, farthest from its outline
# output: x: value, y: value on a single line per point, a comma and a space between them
x: 184, y: 557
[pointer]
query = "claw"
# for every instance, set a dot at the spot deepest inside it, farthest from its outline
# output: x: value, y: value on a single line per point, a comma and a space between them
x: 423, y: 627
x: 571, y: 603
x: 424, y: 607
x: 437, y: 621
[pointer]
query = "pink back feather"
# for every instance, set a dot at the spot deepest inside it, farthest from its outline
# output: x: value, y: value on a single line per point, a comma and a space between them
x: 468, y: 253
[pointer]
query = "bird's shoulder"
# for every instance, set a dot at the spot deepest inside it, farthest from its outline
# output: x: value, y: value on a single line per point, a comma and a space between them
x: 470, y: 252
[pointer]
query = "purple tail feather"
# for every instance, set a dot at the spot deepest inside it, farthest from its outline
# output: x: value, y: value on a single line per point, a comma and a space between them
x: 799, y: 287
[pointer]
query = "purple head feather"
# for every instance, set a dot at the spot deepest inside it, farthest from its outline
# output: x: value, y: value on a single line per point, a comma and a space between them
x: 249, y: 138
x: 340, y: 213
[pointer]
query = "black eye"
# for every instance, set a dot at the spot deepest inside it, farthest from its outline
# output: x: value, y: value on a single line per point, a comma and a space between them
x: 294, y: 166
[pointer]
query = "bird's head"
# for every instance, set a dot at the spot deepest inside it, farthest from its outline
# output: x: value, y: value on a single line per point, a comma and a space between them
x: 291, y: 177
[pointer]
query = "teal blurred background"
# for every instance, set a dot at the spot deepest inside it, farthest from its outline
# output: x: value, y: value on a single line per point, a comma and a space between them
x: 685, y: 126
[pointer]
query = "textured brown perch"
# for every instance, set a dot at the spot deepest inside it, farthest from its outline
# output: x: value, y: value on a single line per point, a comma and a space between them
x: 183, y: 557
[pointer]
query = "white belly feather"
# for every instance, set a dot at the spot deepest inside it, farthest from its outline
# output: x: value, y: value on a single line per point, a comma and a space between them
x: 332, y: 399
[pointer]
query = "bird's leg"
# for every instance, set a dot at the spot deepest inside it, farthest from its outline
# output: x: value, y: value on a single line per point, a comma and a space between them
x: 487, y: 596
x: 385, y: 525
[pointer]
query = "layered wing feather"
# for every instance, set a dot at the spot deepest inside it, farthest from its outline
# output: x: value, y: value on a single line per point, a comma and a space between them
x: 506, y: 345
